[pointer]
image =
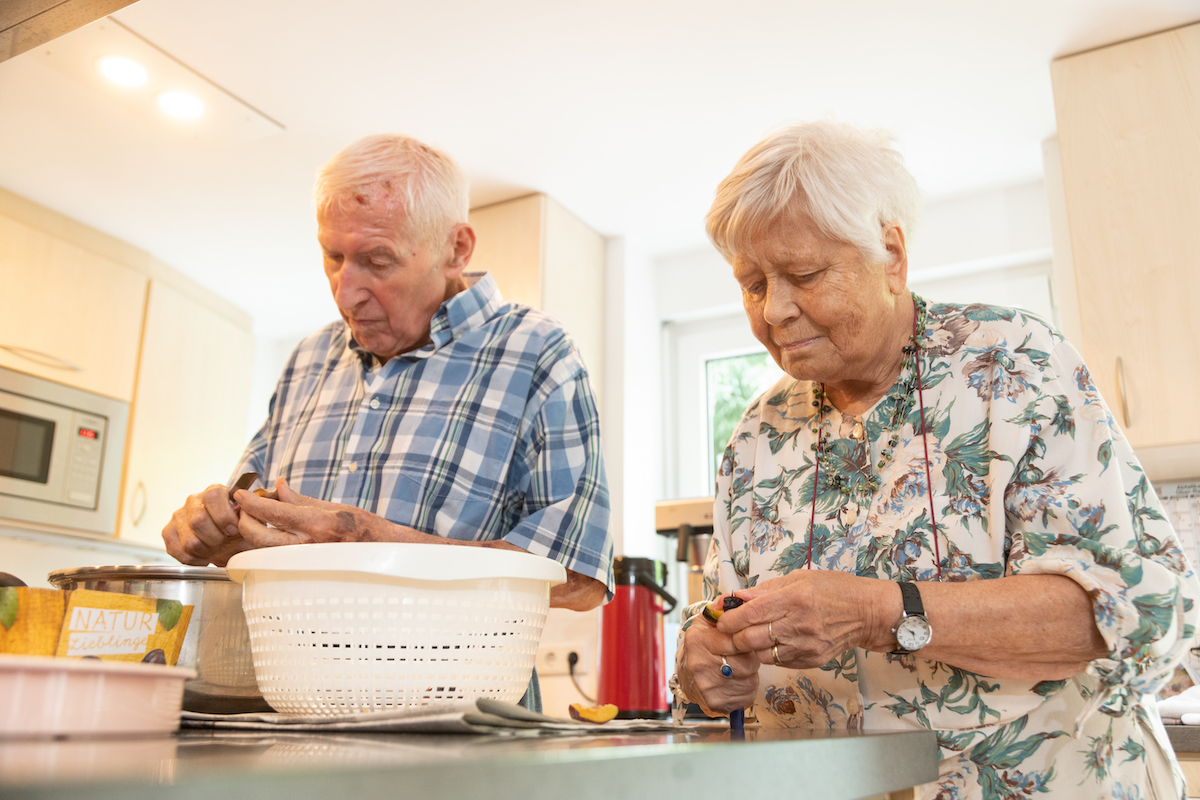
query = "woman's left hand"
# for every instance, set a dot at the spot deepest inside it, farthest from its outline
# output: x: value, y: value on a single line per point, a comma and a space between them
x: 807, y: 618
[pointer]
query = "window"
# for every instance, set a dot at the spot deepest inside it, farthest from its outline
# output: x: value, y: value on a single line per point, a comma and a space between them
x: 732, y: 382
x: 714, y: 367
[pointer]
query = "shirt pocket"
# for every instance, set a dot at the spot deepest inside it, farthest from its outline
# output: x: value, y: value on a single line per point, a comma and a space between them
x: 452, y: 512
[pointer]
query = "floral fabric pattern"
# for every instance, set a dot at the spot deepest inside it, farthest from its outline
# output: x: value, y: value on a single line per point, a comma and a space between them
x: 1030, y: 475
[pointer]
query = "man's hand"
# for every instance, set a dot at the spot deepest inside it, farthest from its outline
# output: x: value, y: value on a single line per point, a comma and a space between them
x: 297, y: 519
x: 205, y: 530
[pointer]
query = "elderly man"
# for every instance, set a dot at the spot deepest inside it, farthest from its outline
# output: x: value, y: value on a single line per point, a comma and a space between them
x: 433, y: 412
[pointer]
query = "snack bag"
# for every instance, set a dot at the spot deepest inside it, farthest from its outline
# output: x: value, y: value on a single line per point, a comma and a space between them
x: 30, y: 620
x: 123, y: 627
x: 82, y: 623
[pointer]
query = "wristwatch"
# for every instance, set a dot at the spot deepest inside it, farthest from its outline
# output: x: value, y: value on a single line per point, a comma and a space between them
x: 912, y: 630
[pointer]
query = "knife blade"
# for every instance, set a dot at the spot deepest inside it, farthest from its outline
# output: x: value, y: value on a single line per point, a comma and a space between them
x: 244, y: 482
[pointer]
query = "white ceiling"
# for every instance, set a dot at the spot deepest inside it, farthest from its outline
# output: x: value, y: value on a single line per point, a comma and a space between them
x: 627, y: 112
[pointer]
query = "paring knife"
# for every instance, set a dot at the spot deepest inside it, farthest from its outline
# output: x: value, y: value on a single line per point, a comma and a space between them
x: 245, y: 482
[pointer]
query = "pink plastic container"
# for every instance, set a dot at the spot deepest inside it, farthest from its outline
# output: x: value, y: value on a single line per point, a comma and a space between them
x: 47, y: 696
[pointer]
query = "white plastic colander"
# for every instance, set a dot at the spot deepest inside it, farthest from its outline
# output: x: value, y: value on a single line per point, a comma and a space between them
x: 373, y: 626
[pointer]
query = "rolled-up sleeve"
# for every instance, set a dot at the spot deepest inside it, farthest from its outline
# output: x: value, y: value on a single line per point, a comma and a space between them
x: 1081, y: 506
x: 566, y: 501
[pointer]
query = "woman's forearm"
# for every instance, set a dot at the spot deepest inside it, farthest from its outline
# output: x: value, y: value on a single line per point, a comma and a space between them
x: 1034, y: 627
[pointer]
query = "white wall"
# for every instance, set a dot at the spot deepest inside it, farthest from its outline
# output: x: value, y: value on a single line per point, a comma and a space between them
x: 640, y: 451
x: 270, y: 357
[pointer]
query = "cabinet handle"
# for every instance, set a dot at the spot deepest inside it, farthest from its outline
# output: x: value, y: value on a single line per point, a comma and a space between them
x: 38, y: 357
x: 1121, y: 391
x: 139, y: 491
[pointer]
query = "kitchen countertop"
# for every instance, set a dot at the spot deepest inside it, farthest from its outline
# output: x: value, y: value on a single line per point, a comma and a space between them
x: 296, y: 766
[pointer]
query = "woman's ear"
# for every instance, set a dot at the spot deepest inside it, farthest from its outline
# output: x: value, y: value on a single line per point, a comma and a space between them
x: 896, y: 267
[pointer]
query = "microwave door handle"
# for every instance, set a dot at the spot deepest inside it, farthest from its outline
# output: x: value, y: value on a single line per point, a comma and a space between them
x: 139, y: 494
x: 38, y: 357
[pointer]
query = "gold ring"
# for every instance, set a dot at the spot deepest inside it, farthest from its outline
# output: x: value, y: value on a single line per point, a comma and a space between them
x: 775, y: 655
x: 771, y: 634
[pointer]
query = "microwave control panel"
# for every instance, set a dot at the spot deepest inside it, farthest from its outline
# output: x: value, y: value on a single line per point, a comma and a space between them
x: 85, y: 455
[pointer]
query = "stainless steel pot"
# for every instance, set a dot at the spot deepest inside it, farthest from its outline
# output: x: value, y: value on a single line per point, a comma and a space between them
x: 217, y: 644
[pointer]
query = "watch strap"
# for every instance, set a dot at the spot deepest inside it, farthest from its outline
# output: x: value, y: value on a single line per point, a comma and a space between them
x: 912, y: 599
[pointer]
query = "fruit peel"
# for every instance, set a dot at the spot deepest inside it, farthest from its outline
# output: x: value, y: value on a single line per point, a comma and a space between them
x: 597, y: 714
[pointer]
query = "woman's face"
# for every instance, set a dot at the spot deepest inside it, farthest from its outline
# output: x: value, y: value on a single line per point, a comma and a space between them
x: 821, y: 311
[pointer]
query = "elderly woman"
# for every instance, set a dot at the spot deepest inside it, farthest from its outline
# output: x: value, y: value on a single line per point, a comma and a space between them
x: 932, y: 519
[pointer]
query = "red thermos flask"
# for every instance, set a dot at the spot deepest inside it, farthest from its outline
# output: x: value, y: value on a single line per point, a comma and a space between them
x: 633, y: 669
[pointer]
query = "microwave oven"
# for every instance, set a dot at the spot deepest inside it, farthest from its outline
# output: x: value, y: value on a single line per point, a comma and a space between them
x: 60, y: 454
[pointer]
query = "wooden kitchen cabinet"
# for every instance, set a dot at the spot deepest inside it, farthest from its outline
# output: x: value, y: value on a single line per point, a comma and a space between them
x: 187, y: 423
x: 1129, y: 142
x: 68, y: 314
x: 543, y: 256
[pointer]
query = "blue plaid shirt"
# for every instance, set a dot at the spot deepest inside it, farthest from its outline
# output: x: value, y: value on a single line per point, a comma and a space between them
x: 488, y: 432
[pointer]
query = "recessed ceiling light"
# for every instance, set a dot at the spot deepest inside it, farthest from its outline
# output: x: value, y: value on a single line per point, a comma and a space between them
x: 124, y: 71
x: 211, y: 115
x: 180, y: 105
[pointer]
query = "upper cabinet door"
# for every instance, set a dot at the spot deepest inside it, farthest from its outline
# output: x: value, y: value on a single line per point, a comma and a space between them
x: 1129, y: 139
x: 67, y: 314
x: 187, y: 426
x: 544, y: 256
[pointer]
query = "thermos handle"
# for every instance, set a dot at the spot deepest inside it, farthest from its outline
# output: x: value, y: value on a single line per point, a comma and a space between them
x: 642, y: 580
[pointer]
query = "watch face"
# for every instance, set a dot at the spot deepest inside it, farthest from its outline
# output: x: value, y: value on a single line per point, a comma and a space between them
x: 913, y: 633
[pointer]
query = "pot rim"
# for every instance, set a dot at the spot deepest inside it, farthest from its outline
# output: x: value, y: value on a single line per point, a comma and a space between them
x: 152, y: 572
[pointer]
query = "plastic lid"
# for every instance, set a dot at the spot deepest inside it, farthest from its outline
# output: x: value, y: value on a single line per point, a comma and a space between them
x: 18, y: 663
x: 428, y: 562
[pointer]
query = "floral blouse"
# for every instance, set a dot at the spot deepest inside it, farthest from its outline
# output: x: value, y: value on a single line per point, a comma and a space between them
x: 1030, y: 476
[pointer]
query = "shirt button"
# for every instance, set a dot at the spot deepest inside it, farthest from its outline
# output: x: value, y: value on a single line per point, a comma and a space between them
x: 374, y: 402
x: 353, y: 467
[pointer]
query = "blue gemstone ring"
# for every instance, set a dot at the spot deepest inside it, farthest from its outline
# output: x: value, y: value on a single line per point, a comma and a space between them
x: 726, y: 670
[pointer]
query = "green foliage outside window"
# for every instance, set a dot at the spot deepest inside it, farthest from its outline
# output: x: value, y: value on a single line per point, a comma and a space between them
x: 732, y: 383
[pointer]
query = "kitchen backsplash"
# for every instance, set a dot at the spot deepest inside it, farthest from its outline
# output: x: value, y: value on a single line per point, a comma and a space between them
x: 32, y: 555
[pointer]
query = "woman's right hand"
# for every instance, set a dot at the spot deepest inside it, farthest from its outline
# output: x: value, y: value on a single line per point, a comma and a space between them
x: 699, y: 668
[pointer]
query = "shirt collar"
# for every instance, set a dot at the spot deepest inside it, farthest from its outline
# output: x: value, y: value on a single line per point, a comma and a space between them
x: 464, y: 312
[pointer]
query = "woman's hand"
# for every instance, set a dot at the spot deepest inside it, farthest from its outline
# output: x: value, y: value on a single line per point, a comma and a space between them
x: 699, y: 669
x: 807, y: 618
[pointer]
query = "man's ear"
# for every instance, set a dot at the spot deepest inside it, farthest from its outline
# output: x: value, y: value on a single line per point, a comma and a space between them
x: 896, y: 266
x: 462, y: 247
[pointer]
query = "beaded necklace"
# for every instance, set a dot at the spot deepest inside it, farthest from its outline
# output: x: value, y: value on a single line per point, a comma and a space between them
x: 900, y: 397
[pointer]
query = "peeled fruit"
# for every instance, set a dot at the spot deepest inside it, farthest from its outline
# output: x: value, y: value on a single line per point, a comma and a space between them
x: 597, y: 714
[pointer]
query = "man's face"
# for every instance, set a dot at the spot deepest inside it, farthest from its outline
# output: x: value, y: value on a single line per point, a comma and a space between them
x: 386, y: 286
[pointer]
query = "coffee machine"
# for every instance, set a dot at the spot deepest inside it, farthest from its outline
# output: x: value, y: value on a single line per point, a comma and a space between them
x: 690, y: 521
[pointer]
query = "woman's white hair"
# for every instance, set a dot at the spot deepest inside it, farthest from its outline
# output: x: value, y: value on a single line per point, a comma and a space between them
x: 850, y: 182
x: 428, y: 183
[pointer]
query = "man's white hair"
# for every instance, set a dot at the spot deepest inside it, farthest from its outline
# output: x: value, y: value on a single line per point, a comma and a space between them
x: 850, y: 182
x: 427, y: 183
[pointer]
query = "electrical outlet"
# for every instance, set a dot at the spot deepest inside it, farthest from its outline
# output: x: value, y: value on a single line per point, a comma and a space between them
x: 554, y: 660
